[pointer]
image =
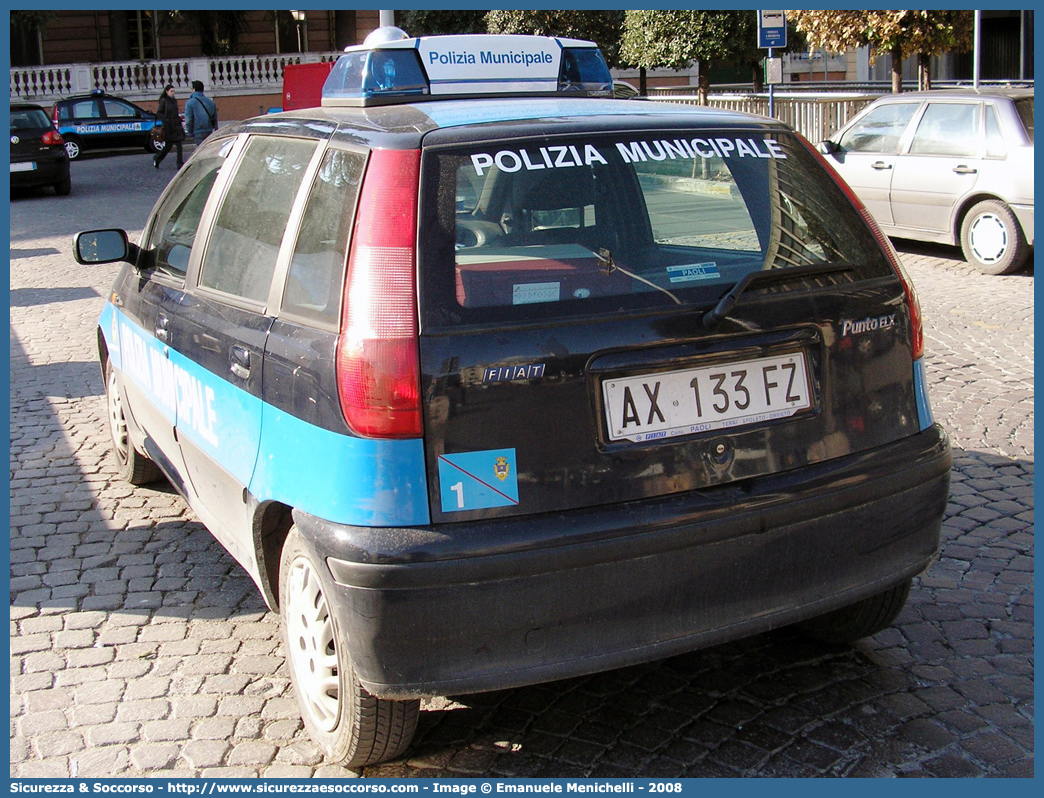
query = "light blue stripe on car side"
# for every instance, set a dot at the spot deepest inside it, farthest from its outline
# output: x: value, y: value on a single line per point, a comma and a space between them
x: 337, y: 477
x: 924, y: 410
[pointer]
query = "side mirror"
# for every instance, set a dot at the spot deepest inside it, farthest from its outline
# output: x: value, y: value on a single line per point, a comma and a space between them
x: 101, y: 246
x: 827, y: 147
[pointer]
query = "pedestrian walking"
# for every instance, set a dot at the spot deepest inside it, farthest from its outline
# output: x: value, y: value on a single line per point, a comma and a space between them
x: 173, y: 132
x: 201, y: 117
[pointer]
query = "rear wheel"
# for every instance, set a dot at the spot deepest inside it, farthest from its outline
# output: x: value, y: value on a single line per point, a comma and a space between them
x: 992, y: 239
x: 134, y: 467
x: 858, y: 620
x: 350, y: 725
x: 62, y: 188
x: 73, y: 149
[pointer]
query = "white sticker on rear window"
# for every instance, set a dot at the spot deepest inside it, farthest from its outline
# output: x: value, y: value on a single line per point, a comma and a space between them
x: 573, y: 155
x: 559, y: 157
x: 692, y: 272
x: 663, y: 149
x: 530, y: 293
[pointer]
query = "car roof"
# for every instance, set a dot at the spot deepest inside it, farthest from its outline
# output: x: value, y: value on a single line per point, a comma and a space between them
x: 499, y: 116
x: 1004, y: 92
x: 27, y: 107
x: 91, y: 96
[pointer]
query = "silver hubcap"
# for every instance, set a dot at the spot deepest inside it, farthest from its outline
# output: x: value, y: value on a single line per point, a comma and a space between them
x: 989, y: 238
x: 313, y: 651
x: 117, y: 421
x: 72, y: 149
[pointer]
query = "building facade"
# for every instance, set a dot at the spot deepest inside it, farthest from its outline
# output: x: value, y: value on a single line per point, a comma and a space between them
x: 63, y: 37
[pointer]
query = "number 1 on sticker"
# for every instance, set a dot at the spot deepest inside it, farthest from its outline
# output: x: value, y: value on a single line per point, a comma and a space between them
x: 459, y: 490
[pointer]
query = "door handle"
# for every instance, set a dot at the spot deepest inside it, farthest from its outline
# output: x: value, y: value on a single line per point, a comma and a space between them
x: 880, y: 165
x: 239, y: 362
x: 162, y: 331
x: 965, y: 170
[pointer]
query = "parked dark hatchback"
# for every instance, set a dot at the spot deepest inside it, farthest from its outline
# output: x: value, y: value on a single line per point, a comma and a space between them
x: 38, y: 155
x: 491, y: 391
x: 99, y: 121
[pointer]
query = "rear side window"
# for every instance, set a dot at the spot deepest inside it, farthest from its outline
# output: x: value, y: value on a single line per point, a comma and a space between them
x: 995, y: 147
x: 313, y: 286
x: 82, y: 109
x: 241, y: 254
x: 1024, y: 107
x: 574, y: 226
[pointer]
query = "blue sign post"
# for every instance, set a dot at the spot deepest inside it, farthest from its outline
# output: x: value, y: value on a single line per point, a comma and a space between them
x: 772, y: 32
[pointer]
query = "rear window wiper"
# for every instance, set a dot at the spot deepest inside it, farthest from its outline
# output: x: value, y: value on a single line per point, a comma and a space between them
x: 713, y: 317
x: 605, y: 257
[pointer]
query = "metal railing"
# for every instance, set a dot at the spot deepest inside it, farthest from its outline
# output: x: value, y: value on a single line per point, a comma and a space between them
x: 874, y: 87
x: 814, y: 116
x: 816, y: 110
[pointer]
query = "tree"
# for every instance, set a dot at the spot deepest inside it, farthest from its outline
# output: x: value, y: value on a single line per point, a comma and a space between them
x: 897, y: 33
x: 437, y: 22
x: 601, y: 27
x: 677, y: 39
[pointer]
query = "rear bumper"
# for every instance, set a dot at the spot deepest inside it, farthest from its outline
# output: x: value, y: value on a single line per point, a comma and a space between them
x: 1024, y: 213
x: 450, y: 609
x: 48, y: 171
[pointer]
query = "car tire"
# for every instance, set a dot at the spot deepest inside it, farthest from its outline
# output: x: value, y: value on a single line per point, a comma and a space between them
x: 134, y: 467
x: 63, y: 187
x: 73, y: 148
x: 153, y: 146
x: 859, y: 620
x: 992, y: 238
x: 353, y: 727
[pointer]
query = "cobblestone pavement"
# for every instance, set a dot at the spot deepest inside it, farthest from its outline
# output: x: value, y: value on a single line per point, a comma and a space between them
x: 139, y: 648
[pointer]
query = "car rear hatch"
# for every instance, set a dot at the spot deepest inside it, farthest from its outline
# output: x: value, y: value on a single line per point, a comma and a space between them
x: 29, y: 127
x: 578, y: 347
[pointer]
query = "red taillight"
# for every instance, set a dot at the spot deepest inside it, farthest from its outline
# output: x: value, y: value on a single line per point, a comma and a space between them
x: 53, y: 138
x: 378, y: 368
x: 916, y: 325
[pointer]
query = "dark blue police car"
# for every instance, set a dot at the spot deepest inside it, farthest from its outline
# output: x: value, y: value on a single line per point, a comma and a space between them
x: 488, y: 379
x: 98, y: 121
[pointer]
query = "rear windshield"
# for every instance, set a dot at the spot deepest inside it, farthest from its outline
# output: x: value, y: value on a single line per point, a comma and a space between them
x: 554, y: 227
x: 29, y: 119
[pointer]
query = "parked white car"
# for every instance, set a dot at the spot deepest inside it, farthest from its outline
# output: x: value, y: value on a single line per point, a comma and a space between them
x: 955, y: 167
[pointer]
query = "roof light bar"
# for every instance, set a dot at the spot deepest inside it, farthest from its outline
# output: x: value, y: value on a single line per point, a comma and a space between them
x: 436, y: 67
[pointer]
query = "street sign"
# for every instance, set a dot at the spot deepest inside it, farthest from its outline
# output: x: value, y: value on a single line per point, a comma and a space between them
x: 772, y: 29
x: 773, y: 71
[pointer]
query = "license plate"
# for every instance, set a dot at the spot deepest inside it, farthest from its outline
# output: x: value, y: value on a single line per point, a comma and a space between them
x: 722, y: 396
x: 23, y: 167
